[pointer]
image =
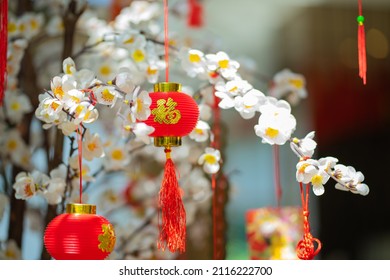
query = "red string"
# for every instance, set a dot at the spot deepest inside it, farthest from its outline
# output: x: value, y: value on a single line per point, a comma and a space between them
x: 166, y: 40
x: 305, y: 248
x: 80, y: 149
x: 3, y: 47
x: 216, y: 145
x: 215, y: 232
x: 362, y: 57
x: 278, y: 185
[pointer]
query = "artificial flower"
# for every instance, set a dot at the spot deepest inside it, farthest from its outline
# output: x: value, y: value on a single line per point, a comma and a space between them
x: 276, y: 123
x: 210, y: 160
x: 92, y: 146
x: 201, y: 132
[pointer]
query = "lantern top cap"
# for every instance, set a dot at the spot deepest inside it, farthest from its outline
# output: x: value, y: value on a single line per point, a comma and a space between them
x: 167, y: 87
x: 79, y: 208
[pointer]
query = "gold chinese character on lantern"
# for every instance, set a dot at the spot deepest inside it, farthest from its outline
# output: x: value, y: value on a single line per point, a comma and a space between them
x: 165, y: 112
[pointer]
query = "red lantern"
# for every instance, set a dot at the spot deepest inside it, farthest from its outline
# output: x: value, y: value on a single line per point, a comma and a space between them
x: 79, y: 234
x: 173, y: 115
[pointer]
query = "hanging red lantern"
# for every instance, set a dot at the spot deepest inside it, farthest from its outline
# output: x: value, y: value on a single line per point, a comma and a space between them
x: 173, y: 115
x: 79, y: 234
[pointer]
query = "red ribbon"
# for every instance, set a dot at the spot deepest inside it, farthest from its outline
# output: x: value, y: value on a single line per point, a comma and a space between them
x: 195, y: 13
x: 361, y: 45
x: 3, y: 47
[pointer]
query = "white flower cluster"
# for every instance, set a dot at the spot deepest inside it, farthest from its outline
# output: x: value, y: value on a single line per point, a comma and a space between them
x: 276, y: 124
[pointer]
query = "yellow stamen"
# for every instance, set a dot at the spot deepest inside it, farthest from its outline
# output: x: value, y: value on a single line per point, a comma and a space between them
x: 210, y: 159
x: 107, y: 95
x: 298, y: 83
x: 15, y: 106
x: 12, y: 145
x: 92, y: 146
x: 151, y: 71
x: 129, y: 41
x: 117, y: 154
x: 194, y: 58
x: 316, y: 179
x: 105, y: 70
x: 138, y: 55
x: 58, y: 92
x: 12, y: 27
x: 223, y: 63
x: 271, y: 132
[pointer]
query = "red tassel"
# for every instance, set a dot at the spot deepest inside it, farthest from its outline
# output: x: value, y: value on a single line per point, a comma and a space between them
x: 195, y: 11
x: 361, y: 45
x: 173, y: 214
x: 3, y: 47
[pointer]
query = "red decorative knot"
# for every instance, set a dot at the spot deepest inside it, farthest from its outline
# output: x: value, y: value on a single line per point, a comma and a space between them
x: 79, y: 234
x: 306, y: 247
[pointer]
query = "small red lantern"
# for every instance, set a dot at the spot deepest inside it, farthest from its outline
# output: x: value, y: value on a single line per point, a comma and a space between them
x: 173, y: 115
x: 79, y: 234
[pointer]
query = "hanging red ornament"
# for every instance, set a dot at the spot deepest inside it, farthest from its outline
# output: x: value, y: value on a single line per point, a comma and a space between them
x: 79, y: 234
x: 361, y: 45
x: 306, y: 249
x: 195, y: 13
x: 173, y: 115
x: 3, y: 47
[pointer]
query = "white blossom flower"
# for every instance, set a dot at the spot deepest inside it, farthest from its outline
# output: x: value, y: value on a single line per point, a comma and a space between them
x: 124, y: 80
x: 228, y: 91
x: 49, y: 110
x: 222, y: 63
x: 142, y: 132
x: 84, y: 112
x: 68, y: 66
x: 17, y: 105
x: 210, y: 160
x: 55, y: 190
x: 350, y: 180
x: 306, y: 145
x: 192, y: 61
x: 276, y: 123
x: 248, y: 104
x: 61, y: 85
x: 302, y: 175
x: 141, y: 104
x: 106, y: 95
x: 315, y: 172
x: 29, y: 24
x: 201, y: 132
x: 73, y: 98
x: 290, y: 85
x: 117, y: 157
x: 92, y: 146
x: 28, y: 184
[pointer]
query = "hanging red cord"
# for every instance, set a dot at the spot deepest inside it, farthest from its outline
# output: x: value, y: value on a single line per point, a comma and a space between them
x: 305, y: 248
x: 361, y: 44
x: 3, y: 47
x: 278, y: 185
x: 80, y: 157
x: 166, y: 40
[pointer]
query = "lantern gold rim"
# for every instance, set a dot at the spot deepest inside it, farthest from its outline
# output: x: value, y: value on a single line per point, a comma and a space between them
x: 167, y: 87
x: 167, y: 141
x: 80, y: 208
